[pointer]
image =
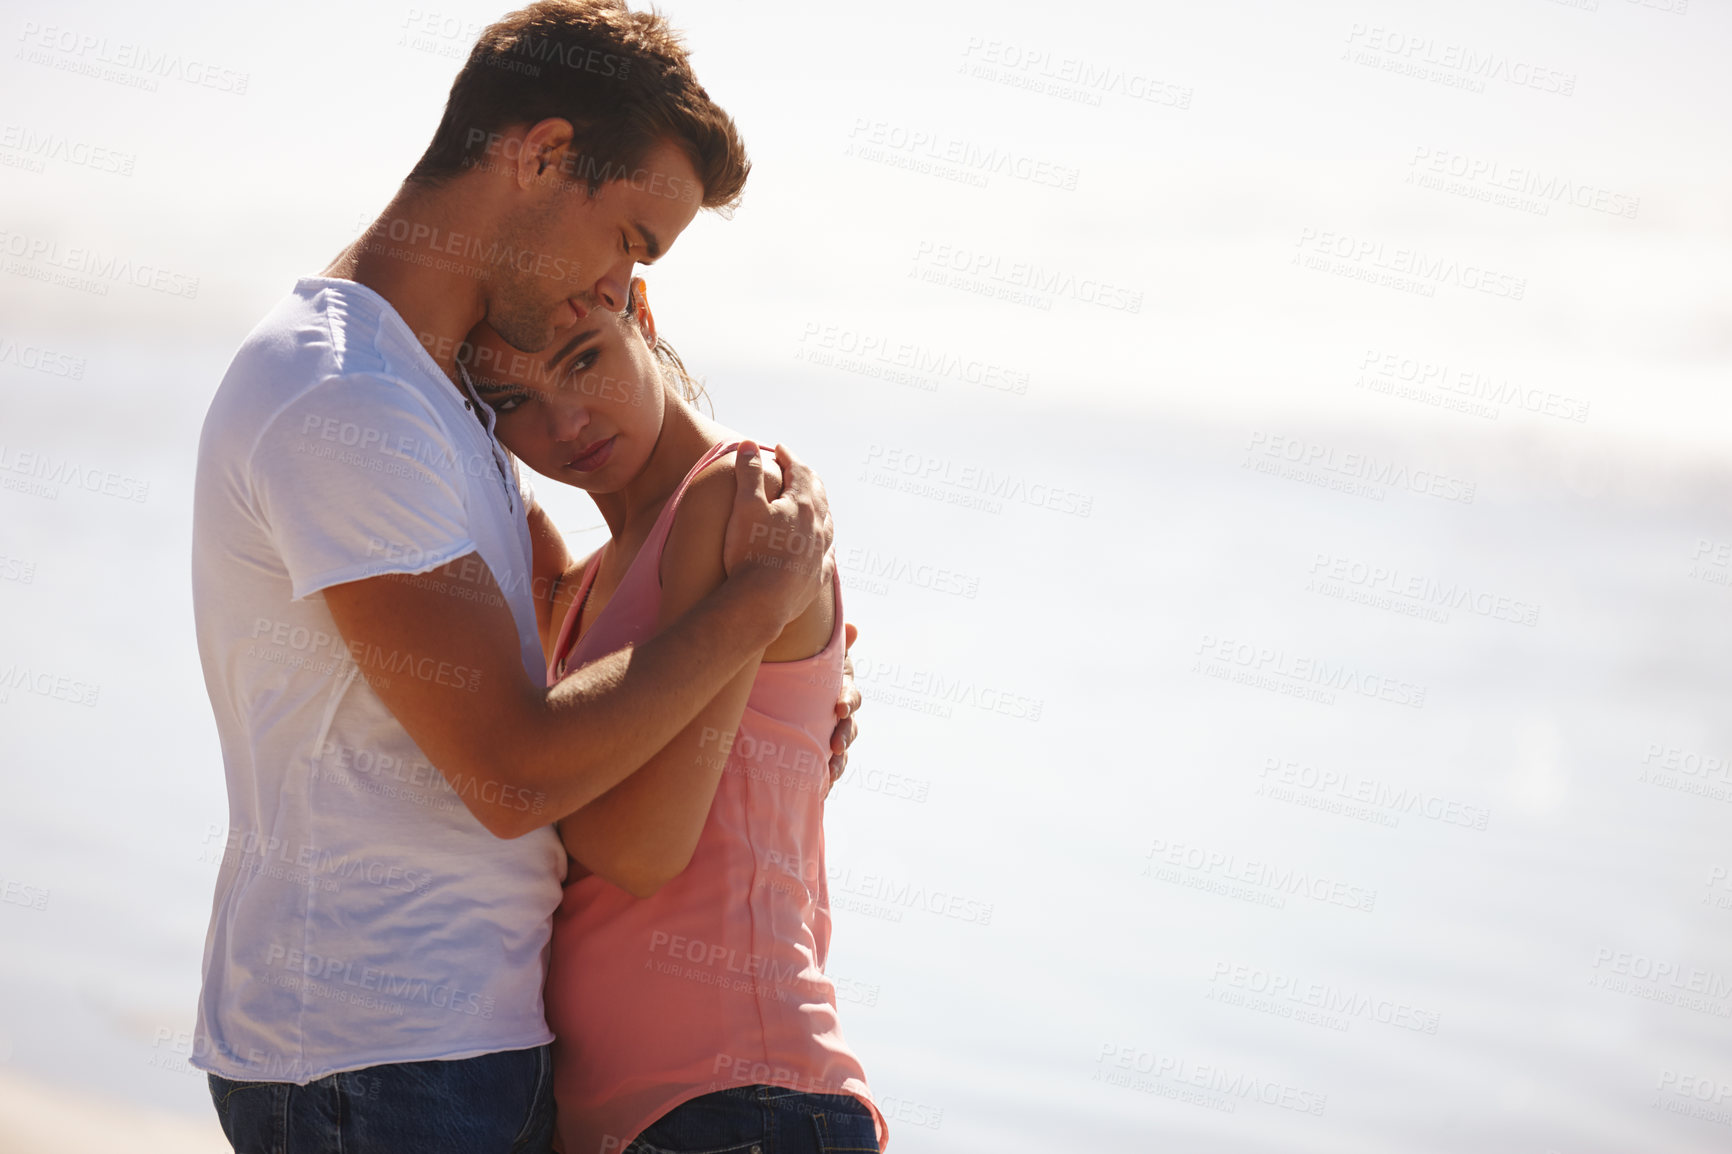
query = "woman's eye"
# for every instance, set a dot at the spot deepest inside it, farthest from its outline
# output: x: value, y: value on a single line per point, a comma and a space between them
x: 502, y: 403
x: 583, y: 361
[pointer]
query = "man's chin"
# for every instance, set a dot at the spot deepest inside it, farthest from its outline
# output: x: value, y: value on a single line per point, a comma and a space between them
x: 530, y: 338
x: 554, y: 325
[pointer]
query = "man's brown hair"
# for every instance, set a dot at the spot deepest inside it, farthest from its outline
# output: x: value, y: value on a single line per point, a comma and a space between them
x: 621, y: 78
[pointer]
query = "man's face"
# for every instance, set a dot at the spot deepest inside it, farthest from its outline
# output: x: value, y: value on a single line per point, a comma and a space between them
x: 573, y: 252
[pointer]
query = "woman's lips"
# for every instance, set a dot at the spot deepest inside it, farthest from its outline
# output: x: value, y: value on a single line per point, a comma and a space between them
x: 593, y: 457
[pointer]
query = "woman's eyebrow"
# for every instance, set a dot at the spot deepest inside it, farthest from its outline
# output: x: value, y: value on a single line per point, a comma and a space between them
x: 553, y: 361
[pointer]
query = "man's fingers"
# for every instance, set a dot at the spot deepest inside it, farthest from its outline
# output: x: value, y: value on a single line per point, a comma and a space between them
x: 796, y: 477
x: 843, y: 737
x: 748, y: 473
x: 824, y: 531
x: 849, y: 702
x: 850, y: 699
x: 802, y: 487
x: 745, y: 524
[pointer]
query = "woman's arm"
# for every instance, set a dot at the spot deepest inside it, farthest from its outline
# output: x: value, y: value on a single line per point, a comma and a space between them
x: 549, y: 562
x: 555, y: 578
x: 641, y: 833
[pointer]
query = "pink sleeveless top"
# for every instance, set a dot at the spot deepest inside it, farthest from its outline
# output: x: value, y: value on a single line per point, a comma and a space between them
x: 716, y: 980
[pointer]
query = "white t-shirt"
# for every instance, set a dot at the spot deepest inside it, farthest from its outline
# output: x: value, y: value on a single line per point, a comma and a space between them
x: 362, y: 914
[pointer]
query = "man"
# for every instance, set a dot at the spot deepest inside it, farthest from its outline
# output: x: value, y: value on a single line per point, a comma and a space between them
x: 366, y: 620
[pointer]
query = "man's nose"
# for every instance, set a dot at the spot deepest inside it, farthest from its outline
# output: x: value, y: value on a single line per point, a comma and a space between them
x: 610, y: 290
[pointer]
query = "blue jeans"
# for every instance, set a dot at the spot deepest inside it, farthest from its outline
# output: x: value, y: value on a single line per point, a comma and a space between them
x: 494, y: 1104
x: 762, y: 1120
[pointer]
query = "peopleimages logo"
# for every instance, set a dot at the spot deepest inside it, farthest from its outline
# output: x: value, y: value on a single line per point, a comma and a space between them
x: 1304, y: 784
x: 17, y: 893
x: 430, y: 246
x: 1689, y: 761
x: 902, y: 894
x: 966, y: 266
x: 137, y: 65
x: 44, y: 146
x: 1404, y: 264
x: 41, y: 257
x: 17, y: 569
x: 40, y: 359
x: 1424, y: 57
x: 39, y: 473
x: 876, y: 354
x: 1666, y: 975
x: 1524, y: 185
x: 880, y: 568
x: 1324, y: 996
x: 1464, y: 390
x: 723, y: 958
x: 251, y: 851
x: 892, y: 681
x: 887, y: 143
x: 1065, y: 77
x: 1361, y: 474
x: 1172, y: 861
x: 1311, y: 678
x: 16, y: 677
x: 1712, y: 562
x: 371, y: 987
x: 1120, y: 1064
x: 1417, y: 595
x: 959, y: 482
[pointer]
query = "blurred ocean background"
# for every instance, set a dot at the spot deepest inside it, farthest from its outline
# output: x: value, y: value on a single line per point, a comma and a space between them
x: 1279, y: 455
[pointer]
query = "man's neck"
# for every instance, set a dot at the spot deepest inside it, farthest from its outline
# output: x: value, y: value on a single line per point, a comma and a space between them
x: 403, y: 257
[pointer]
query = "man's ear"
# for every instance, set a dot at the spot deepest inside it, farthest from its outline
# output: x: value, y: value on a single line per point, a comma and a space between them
x: 547, y: 144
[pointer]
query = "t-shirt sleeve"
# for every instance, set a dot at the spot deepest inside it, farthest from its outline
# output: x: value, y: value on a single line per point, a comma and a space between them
x: 356, y: 478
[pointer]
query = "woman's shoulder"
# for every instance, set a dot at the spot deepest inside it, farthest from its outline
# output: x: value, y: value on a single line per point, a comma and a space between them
x: 710, y: 493
x: 692, y: 559
x: 727, y: 463
x: 699, y: 527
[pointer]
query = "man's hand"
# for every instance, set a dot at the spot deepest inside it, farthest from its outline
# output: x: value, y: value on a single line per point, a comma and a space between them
x: 779, y: 547
x: 846, y: 706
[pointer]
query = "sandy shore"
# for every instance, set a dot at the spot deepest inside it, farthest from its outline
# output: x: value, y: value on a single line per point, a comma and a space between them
x: 44, y: 1118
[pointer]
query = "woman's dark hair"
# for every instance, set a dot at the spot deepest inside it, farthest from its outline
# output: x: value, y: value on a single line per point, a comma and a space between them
x: 690, y: 389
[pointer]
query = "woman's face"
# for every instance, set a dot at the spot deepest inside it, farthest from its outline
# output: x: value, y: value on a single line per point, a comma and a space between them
x: 588, y: 410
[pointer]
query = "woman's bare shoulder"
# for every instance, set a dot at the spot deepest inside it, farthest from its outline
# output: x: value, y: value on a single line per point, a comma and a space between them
x: 692, y: 556
x: 711, y: 493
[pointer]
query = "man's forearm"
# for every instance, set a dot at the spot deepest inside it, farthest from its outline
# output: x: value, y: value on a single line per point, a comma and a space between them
x: 604, y: 721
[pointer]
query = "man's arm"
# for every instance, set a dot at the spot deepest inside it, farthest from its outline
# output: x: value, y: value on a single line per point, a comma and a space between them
x: 552, y: 560
x: 449, y: 667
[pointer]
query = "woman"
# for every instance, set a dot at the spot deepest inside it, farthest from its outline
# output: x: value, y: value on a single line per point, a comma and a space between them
x: 686, y: 988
